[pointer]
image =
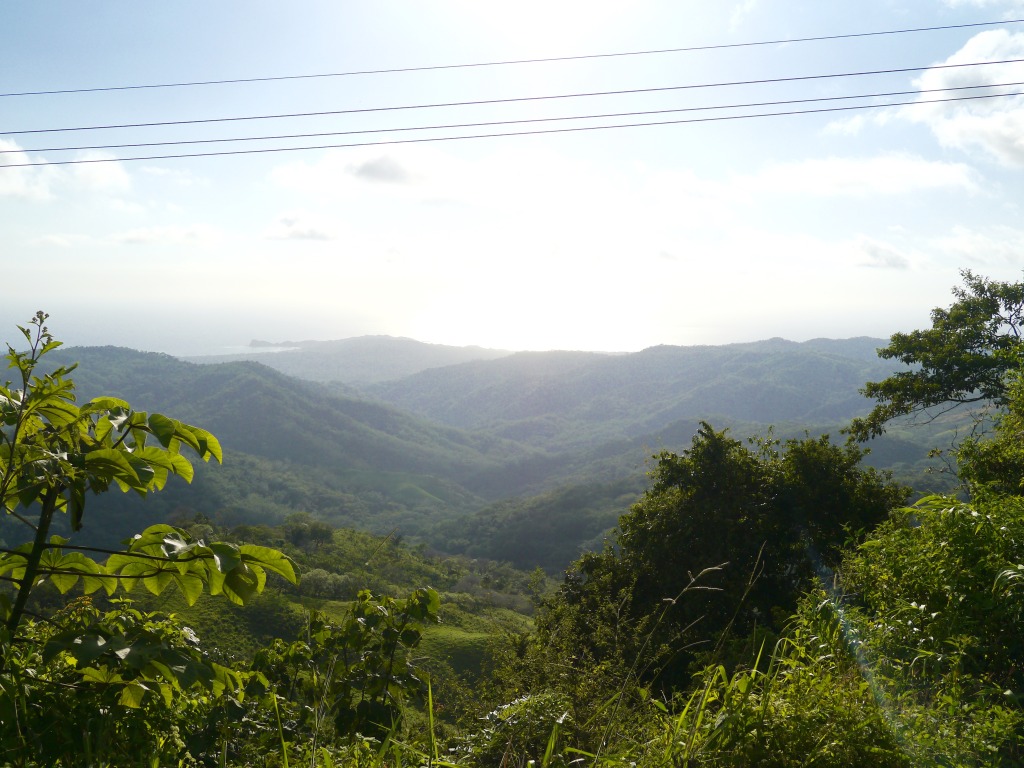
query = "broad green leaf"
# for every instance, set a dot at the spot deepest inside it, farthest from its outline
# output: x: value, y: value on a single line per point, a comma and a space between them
x: 167, y: 693
x: 191, y: 587
x: 170, y: 462
x: 174, y: 545
x: 226, y: 556
x: 132, y: 695
x: 127, y: 566
x: 271, y: 559
x: 100, y: 675
x: 154, y: 534
x: 105, y: 404
x: 159, y: 581
x: 57, y: 412
x: 244, y: 582
x: 205, y: 444
x: 113, y: 464
x: 163, y: 427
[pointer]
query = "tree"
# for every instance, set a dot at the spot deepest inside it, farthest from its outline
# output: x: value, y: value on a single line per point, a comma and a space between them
x: 53, y: 453
x: 760, y: 522
x: 963, y: 358
x: 996, y: 464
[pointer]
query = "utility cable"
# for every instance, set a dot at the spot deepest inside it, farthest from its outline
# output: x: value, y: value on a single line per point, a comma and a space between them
x: 720, y: 46
x: 479, y: 102
x: 450, y: 126
x: 716, y: 118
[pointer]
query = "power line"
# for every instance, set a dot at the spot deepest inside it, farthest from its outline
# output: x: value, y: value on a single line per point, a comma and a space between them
x: 450, y: 126
x: 716, y: 118
x: 689, y: 49
x: 480, y: 102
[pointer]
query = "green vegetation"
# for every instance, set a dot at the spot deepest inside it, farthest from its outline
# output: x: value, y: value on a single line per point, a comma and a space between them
x: 767, y: 601
x: 963, y: 358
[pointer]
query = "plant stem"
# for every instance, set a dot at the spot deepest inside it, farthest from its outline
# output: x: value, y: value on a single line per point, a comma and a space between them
x: 32, y: 562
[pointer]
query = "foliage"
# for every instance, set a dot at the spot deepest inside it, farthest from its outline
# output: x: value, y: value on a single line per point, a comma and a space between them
x: 807, y: 704
x: 963, y: 358
x: 52, y: 453
x: 120, y: 686
x: 756, y: 524
x: 995, y: 465
x: 926, y: 582
x: 548, y: 530
x: 353, y: 676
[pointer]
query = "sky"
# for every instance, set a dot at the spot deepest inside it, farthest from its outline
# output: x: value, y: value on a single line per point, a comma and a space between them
x: 709, y: 228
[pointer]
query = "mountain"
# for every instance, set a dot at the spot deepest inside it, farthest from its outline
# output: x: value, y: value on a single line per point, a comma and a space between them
x: 571, y: 400
x: 293, y: 445
x: 359, y: 360
x: 527, y: 457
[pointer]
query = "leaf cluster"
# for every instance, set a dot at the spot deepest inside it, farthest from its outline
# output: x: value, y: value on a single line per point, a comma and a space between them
x: 963, y: 358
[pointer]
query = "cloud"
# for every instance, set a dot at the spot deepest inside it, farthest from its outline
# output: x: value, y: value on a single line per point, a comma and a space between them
x: 889, y: 174
x: 300, y: 226
x: 61, y: 240
x: 181, y: 178
x: 45, y: 182
x: 881, y: 256
x: 383, y: 169
x: 996, y: 125
x: 100, y: 176
x: 741, y: 12
x: 26, y: 183
x: 995, y: 247
x: 411, y: 172
x: 197, y: 235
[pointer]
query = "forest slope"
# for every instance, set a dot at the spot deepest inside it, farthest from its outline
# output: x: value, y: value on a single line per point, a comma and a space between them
x: 568, y: 400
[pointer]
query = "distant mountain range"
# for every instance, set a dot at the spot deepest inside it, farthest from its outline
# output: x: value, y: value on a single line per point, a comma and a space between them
x: 358, y: 360
x: 468, y: 448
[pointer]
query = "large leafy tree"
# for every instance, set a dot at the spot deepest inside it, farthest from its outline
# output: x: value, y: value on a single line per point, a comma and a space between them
x: 726, y: 539
x: 963, y: 358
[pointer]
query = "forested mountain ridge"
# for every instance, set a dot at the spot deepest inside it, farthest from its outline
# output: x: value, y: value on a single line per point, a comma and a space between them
x: 448, y: 442
x: 260, y: 411
x: 292, y: 446
x: 361, y: 359
x: 561, y: 400
x: 475, y: 442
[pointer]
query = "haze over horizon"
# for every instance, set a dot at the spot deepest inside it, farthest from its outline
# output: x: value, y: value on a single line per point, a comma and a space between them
x: 831, y: 221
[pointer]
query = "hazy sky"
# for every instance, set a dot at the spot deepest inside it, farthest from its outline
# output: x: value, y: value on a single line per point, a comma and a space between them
x: 835, y: 224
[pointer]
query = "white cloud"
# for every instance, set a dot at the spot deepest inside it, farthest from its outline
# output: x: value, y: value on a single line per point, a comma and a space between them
x: 45, y: 182
x: 994, y: 126
x: 181, y: 178
x: 890, y: 174
x: 996, y: 247
x: 354, y: 174
x: 26, y: 183
x: 741, y: 12
x: 300, y: 225
x: 384, y: 169
x: 881, y: 255
x: 108, y: 177
x: 61, y: 240
x: 196, y: 236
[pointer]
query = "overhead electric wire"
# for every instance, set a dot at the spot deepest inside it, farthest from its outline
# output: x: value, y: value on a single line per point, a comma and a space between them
x: 715, y: 118
x: 449, y: 126
x: 688, y: 49
x: 480, y: 102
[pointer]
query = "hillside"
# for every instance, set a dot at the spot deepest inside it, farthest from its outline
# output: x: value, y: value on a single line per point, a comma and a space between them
x: 480, y: 456
x: 294, y: 446
x: 571, y: 400
x: 359, y: 360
